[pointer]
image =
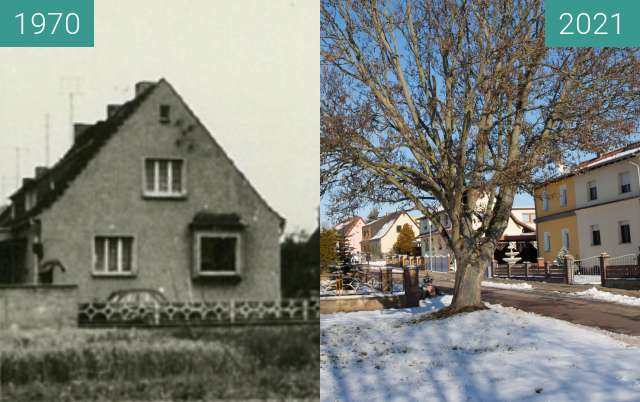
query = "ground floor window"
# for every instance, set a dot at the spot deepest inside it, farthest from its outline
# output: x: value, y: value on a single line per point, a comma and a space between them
x: 218, y: 253
x: 113, y: 255
x: 625, y: 232
x: 595, y: 235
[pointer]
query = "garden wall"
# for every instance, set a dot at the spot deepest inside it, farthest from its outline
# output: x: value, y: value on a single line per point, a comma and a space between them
x: 345, y: 304
x: 31, y: 306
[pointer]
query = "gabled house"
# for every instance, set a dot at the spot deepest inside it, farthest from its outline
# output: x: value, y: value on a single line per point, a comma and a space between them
x: 144, y: 199
x: 379, y: 236
x: 352, y: 229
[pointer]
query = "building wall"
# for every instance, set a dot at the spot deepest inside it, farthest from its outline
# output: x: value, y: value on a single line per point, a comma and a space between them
x: 106, y: 198
x: 607, y: 183
x: 29, y: 307
x: 355, y: 237
x: 389, y: 239
x: 553, y: 192
x: 607, y: 217
x: 554, y: 227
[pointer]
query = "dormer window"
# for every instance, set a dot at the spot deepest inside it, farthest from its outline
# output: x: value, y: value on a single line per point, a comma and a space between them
x: 30, y: 200
x: 165, y: 114
x: 164, y: 178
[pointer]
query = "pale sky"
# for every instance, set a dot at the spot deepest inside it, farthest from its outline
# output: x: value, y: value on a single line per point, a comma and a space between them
x: 249, y: 69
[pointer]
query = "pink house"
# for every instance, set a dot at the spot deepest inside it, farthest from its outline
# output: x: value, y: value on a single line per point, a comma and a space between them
x: 352, y: 228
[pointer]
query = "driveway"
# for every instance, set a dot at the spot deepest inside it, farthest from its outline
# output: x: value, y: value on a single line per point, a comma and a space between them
x: 614, y: 317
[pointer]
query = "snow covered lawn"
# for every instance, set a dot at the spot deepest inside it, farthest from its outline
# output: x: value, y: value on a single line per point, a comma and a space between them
x: 501, y: 354
x: 595, y: 293
x: 518, y: 286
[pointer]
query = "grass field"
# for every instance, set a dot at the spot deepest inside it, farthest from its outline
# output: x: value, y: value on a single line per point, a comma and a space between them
x: 160, y: 364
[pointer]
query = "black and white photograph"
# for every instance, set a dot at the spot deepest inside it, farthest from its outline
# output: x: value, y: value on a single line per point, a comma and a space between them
x: 159, y: 236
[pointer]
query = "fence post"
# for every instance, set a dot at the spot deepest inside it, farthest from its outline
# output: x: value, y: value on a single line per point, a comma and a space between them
x: 568, y: 269
x: 491, y: 268
x: 604, y: 259
x: 305, y: 309
x: 411, y: 287
x: 546, y: 270
x: 232, y: 311
x: 526, y: 270
x: 508, y: 271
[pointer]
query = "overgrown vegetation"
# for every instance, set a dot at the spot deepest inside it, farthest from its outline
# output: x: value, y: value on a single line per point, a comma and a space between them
x: 184, y: 364
x: 300, y: 265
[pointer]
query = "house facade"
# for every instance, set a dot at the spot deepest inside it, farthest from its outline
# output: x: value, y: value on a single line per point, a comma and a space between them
x: 602, y: 209
x: 145, y: 199
x: 379, y: 236
x: 352, y: 229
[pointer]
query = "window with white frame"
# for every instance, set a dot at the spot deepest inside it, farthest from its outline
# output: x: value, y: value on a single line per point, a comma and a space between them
x: 625, y: 232
x: 545, y: 201
x: 625, y: 182
x: 164, y: 177
x: 547, y: 241
x: 565, y: 239
x: 595, y: 235
x: 592, y: 191
x: 113, y: 255
x: 563, y: 195
x: 218, y: 253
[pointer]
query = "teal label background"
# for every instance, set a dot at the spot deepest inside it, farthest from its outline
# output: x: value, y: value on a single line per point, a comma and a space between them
x: 629, y: 11
x: 10, y: 25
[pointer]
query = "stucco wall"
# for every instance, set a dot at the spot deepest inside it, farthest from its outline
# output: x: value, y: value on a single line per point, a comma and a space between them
x: 355, y: 237
x: 107, y: 199
x: 553, y: 192
x: 554, y: 227
x: 607, y: 183
x: 388, y: 240
x: 607, y: 217
x: 38, y: 306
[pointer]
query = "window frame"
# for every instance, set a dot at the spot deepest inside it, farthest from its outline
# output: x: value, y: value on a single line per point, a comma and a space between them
x: 197, y: 255
x: 545, y: 201
x: 621, y: 185
x: 164, y: 119
x: 565, y: 234
x: 621, y: 237
x: 164, y: 195
x: 594, y: 229
x: 564, y: 196
x: 546, y: 244
x: 589, y: 187
x: 120, y: 272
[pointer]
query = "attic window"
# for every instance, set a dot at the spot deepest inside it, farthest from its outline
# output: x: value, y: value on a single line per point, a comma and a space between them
x: 164, y: 178
x: 165, y: 114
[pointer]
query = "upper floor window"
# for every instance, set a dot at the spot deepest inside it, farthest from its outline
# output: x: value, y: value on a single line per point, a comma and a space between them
x: 113, y: 255
x: 625, y: 232
x: 164, y: 177
x: 592, y: 191
x: 545, y: 201
x: 398, y: 228
x: 165, y: 114
x: 625, y: 182
x: 563, y: 195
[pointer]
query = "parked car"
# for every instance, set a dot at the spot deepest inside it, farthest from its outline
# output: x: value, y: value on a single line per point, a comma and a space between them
x: 143, y: 305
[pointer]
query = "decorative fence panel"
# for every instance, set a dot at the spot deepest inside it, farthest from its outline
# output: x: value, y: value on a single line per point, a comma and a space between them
x: 587, y: 270
x: 528, y: 271
x: 199, y: 313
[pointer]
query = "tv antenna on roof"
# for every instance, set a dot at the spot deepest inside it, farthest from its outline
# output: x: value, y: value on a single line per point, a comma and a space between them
x: 70, y: 86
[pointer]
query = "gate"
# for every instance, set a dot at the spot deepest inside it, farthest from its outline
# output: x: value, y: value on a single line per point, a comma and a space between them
x: 586, y: 271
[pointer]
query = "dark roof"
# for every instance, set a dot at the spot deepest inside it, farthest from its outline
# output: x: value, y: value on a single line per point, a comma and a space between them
x: 52, y: 184
x: 205, y: 220
x: 379, y: 224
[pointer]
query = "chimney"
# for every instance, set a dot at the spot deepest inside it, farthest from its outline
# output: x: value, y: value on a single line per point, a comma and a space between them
x: 78, y: 129
x: 111, y: 110
x: 26, y: 181
x: 143, y: 86
x: 40, y: 171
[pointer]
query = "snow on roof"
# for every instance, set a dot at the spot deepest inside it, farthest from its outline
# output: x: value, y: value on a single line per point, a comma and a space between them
x: 610, y: 158
x: 383, y: 230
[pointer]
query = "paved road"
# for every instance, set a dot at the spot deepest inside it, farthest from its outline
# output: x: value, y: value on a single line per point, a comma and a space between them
x: 612, y: 317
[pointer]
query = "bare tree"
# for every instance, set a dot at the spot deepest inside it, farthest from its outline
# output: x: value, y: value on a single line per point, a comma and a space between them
x: 459, y: 102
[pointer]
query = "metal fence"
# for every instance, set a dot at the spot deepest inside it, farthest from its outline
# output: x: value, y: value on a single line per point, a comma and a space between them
x: 363, y: 281
x: 587, y: 271
x: 199, y: 313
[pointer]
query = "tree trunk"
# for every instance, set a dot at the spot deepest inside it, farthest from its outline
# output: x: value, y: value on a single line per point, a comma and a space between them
x: 471, y: 270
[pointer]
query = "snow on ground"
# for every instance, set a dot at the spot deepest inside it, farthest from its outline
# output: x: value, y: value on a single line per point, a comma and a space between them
x: 595, y: 293
x: 501, y: 354
x: 519, y: 286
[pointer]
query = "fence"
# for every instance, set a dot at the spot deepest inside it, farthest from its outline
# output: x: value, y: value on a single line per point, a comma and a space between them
x: 363, y: 281
x: 298, y: 311
x: 623, y: 267
x: 529, y: 271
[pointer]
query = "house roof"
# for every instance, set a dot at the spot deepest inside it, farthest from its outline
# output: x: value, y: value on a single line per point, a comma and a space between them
x: 52, y: 184
x: 607, y: 158
x: 382, y: 225
x: 349, y: 224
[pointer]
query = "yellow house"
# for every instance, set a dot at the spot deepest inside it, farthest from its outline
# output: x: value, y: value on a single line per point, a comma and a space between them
x: 556, y: 218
